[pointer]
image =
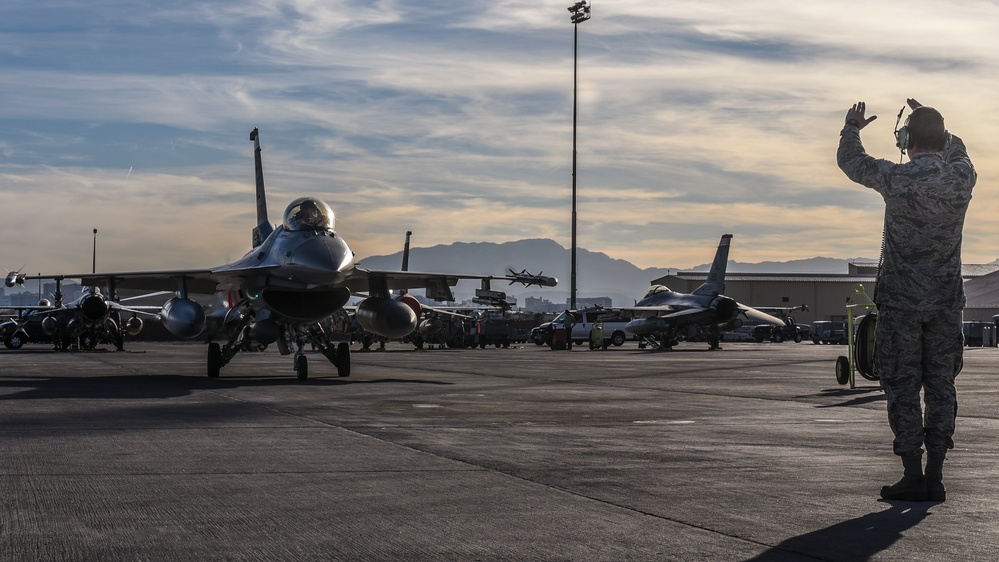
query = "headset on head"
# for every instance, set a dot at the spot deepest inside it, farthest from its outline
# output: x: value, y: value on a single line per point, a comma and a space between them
x: 902, y: 138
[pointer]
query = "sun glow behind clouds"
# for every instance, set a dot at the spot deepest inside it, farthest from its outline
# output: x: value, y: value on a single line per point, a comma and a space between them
x: 695, y: 119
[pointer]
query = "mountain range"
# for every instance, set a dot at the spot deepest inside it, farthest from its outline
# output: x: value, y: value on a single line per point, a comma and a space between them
x: 598, y: 275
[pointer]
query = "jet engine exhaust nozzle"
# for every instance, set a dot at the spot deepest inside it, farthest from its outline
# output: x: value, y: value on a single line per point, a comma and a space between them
x: 726, y: 309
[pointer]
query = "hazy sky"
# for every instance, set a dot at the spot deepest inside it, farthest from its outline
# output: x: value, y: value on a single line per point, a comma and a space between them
x: 454, y: 120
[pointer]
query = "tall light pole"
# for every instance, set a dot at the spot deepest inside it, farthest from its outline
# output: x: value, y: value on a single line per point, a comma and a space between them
x: 578, y: 13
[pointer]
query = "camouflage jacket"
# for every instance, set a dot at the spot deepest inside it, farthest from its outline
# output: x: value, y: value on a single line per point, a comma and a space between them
x: 926, y: 200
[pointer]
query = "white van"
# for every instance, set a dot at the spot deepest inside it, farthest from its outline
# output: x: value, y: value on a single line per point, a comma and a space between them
x: 613, y: 324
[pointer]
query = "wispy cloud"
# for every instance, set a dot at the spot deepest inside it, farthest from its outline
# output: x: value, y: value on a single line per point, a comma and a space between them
x: 455, y: 121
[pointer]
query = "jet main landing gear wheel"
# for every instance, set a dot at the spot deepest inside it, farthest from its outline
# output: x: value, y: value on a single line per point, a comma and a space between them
x: 343, y: 359
x: 214, y: 360
x: 14, y: 341
x: 302, y: 366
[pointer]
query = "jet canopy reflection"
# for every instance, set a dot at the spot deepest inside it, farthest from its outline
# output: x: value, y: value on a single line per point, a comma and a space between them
x: 308, y: 213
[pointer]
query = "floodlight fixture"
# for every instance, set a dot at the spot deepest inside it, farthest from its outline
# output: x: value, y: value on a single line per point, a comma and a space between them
x: 579, y: 12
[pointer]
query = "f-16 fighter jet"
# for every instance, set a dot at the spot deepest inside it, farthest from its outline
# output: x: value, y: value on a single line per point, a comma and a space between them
x: 297, y: 274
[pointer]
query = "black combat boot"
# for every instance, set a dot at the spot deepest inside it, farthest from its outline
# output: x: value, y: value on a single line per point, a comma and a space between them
x: 912, y: 486
x: 935, y: 491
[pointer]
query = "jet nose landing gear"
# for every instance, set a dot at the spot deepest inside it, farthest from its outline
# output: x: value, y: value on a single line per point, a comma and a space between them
x: 339, y: 356
x: 292, y: 341
x: 302, y: 366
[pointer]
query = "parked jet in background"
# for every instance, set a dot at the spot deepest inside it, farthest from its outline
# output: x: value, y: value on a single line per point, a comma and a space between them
x: 666, y: 317
x: 446, y: 325
x: 296, y: 275
x: 84, y: 322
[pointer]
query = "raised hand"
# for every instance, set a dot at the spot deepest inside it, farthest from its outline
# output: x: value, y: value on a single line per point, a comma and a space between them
x: 857, y: 112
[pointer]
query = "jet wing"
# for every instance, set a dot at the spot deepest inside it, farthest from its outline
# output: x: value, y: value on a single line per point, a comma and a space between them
x: 445, y: 312
x: 146, y: 310
x: 757, y: 317
x: 196, y: 280
x: 204, y: 281
x: 361, y: 278
x: 668, y: 311
x: 665, y: 309
x: 692, y: 314
x: 687, y: 312
x: 207, y: 281
x: 376, y: 282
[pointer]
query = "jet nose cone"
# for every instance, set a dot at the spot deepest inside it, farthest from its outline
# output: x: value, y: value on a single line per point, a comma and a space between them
x: 321, y: 255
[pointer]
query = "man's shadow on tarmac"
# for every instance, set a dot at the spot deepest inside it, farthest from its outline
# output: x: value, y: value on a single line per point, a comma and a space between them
x: 857, y: 539
x: 860, y: 396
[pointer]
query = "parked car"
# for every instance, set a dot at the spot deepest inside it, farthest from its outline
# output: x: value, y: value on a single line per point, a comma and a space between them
x: 979, y: 334
x: 742, y: 333
x: 779, y: 334
x: 829, y: 332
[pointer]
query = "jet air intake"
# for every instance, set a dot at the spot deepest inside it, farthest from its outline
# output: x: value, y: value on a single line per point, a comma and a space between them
x: 94, y: 308
x: 133, y: 326
x: 306, y: 305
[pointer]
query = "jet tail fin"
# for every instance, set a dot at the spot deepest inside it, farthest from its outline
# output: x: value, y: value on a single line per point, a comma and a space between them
x: 263, y: 228
x: 715, y: 284
x: 405, y: 257
x: 405, y: 252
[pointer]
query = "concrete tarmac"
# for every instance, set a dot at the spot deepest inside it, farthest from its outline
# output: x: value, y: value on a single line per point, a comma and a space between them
x: 749, y: 453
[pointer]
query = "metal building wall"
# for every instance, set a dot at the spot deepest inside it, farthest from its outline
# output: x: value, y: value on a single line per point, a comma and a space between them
x: 826, y: 300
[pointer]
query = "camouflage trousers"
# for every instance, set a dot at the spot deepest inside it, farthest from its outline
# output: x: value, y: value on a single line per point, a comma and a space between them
x: 920, y: 350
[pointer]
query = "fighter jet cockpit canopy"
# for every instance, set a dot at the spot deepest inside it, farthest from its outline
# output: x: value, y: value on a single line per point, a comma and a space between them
x: 308, y: 213
x: 657, y: 289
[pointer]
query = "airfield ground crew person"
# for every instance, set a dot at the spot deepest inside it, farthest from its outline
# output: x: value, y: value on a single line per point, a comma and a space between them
x: 919, y: 291
x: 597, y: 336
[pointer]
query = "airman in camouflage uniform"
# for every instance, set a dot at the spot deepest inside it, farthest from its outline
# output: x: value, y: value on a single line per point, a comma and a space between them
x: 919, y: 293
